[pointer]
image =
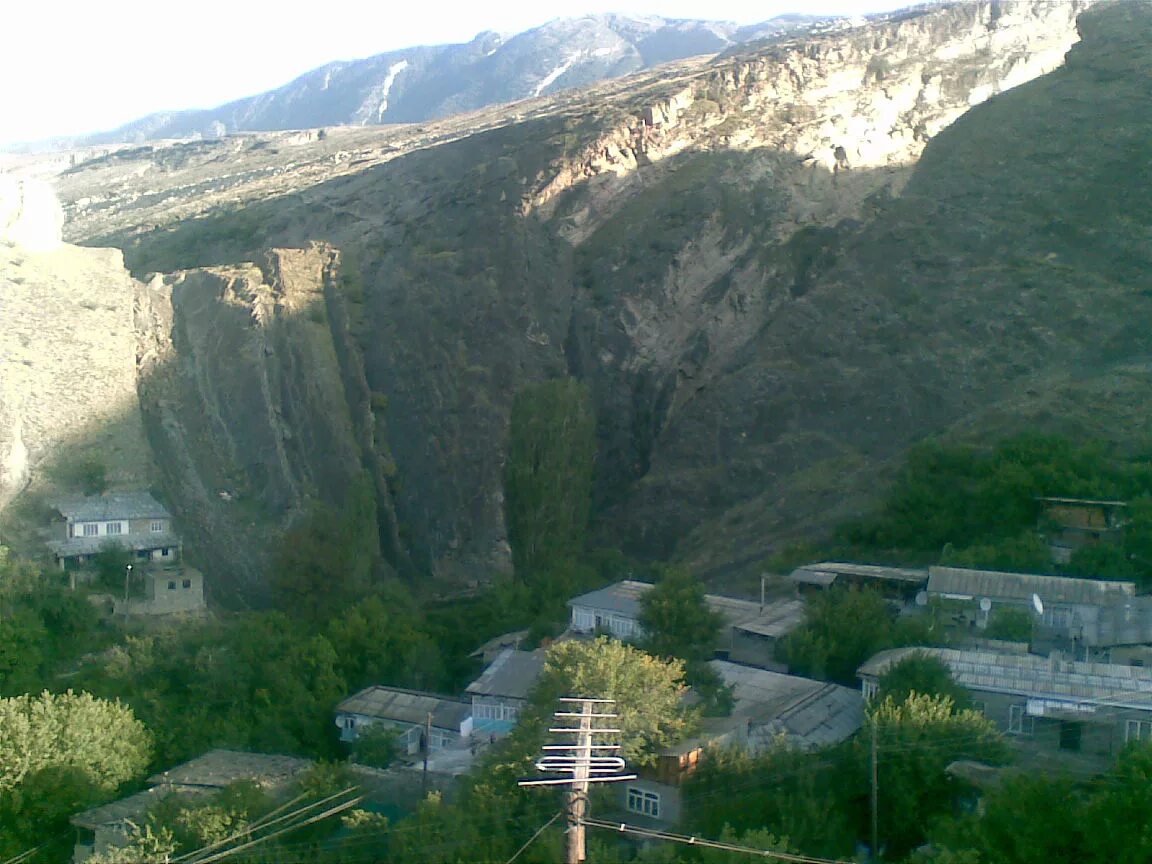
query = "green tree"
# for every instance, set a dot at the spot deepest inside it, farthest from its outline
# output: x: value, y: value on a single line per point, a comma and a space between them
x: 677, y: 619
x: 548, y: 475
x: 101, y: 738
x: 648, y: 692
x: 375, y: 746
x: 844, y: 627
x: 1011, y: 625
x: 917, y: 739
x: 925, y: 675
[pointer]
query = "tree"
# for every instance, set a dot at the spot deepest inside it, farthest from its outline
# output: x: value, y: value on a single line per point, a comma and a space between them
x: 677, y: 619
x: 844, y: 628
x: 1011, y: 625
x: 101, y: 738
x: 548, y: 475
x: 917, y: 739
x: 648, y: 692
x: 923, y: 674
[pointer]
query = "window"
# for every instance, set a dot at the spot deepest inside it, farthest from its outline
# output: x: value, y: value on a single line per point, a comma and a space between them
x: 91, y: 529
x: 164, y: 552
x: 187, y: 583
x: 643, y: 802
x: 114, y: 528
x: 156, y: 527
x: 172, y: 585
x: 1019, y: 723
x: 1138, y: 730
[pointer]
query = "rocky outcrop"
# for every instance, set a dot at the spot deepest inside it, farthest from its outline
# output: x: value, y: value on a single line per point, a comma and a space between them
x: 245, y: 397
x: 775, y: 270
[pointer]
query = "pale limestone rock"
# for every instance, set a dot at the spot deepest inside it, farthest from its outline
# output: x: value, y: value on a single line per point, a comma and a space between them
x: 30, y: 215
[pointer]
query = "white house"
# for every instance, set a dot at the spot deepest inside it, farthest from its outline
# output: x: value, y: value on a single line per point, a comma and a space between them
x: 136, y: 521
x: 413, y: 714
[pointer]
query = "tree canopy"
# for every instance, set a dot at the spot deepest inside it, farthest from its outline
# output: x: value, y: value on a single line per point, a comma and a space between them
x: 676, y: 618
x: 922, y: 674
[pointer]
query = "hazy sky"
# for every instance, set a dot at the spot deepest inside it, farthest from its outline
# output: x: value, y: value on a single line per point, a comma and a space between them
x: 76, y: 66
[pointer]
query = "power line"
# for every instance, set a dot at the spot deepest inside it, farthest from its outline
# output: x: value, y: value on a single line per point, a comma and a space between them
x: 688, y: 840
x: 539, y: 831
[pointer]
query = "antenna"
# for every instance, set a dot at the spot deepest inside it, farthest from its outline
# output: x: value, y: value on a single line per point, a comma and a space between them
x: 582, y: 762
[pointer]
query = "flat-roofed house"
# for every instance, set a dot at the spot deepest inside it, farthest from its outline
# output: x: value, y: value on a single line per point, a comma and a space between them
x: 1045, y: 704
x: 81, y: 527
x: 1072, y: 524
x: 501, y: 691
x: 413, y: 714
x: 614, y: 609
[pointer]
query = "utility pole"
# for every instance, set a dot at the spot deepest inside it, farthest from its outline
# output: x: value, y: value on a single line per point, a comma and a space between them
x: 427, y: 747
x: 127, y: 576
x: 579, y: 767
x: 875, y: 795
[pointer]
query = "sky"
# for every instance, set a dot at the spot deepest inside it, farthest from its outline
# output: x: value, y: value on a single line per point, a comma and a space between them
x: 75, y: 66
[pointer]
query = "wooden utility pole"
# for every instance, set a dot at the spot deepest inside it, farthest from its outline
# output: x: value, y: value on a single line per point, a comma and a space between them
x: 875, y: 796
x: 427, y: 747
x: 578, y: 794
x: 577, y: 767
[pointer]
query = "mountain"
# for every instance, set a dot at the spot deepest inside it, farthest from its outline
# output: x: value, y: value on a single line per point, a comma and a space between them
x: 775, y: 269
x: 424, y: 83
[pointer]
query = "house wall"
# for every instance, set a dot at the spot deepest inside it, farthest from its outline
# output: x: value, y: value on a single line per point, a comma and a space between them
x: 586, y: 619
x: 495, y: 715
x: 635, y: 800
x: 174, y: 591
x: 408, y: 735
x: 756, y: 650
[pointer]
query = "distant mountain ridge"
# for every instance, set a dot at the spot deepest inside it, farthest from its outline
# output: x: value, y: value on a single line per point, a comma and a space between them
x: 422, y: 83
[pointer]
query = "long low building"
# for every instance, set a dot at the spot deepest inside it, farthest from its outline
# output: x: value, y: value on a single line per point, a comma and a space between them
x: 1046, y: 703
x: 413, y: 714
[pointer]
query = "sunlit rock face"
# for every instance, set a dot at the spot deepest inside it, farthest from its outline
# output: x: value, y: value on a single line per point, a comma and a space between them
x: 30, y: 215
x: 775, y: 269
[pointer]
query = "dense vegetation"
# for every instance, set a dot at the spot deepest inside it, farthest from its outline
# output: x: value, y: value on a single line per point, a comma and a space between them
x: 974, y: 506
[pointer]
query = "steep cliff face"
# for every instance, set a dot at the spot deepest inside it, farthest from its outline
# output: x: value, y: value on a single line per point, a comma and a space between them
x: 769, y: 292
x: 67, y: 358
x: 248, y: 413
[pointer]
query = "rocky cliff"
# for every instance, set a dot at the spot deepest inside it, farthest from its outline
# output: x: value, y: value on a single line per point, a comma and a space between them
x: 776, y: 270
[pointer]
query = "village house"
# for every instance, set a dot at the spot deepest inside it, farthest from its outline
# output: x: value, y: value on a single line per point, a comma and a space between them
x: 1072, y: 614
x: 769, y: 709
x: 136, y: 521
x: 1071, y: 524
x: 750, y: 631
x: 106, y: 827
x: 1048, y: 706
x: 500, y: 694
x: 418, y: 718
x: 901, y: 584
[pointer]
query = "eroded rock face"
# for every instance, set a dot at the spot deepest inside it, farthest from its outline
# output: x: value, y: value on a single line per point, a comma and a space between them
x: 30, y: 215
x: 67, y: 366
x: 769, y: 292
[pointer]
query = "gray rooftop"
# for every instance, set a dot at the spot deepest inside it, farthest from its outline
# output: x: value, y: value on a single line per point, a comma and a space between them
x: 809, y: 713
x: 776, y: 619
x: 1031, y: 676
x: 827, y: 572
x: 113, y: 505
x: 220, y: 768
x: 133, y: 808
x: 511, y: 675
x: 623, y: 598
x: 970, y: 584
x: 407, y: 706
x: 132, y: 542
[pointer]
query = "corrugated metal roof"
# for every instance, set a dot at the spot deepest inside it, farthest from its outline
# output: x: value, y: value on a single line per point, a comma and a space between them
x: 407, y: 706
x: 113, y: 505
x: 220, y: 768
x: 777, y: 619
x: 1032, y: 676
x: 1021, y: 586
x: 811, y: 713
x: 622, y: 598
x: 512, y: 674
x: 134, y: 807
x: 826, y: 572
x: 1125, y: 623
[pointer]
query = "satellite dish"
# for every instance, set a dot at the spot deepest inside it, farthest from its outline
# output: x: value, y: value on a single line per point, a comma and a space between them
x: 986, y: 604
x: 1037, y: 605
x: 922, y: 598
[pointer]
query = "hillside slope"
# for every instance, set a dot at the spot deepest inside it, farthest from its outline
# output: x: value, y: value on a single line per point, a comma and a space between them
x: 770, y: 293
